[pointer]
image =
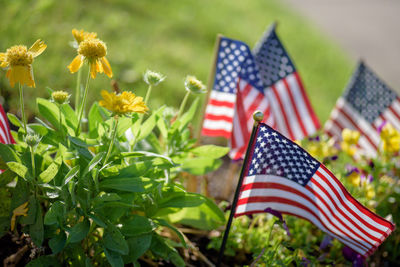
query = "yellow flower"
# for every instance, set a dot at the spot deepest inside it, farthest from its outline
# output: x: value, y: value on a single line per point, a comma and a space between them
x: 120, y: 104
x: 19, y: 59
x: 350, y: 139
x: 82, y: 35
x: 390, y: 139
x: 60, y: 97
x: 354, y: 178
x: 369, y: 190
x: 19, y: 211
x: 94, y: 51
x: 192, y: 84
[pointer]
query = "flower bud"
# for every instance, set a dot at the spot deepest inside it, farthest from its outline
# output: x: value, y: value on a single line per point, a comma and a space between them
x: 193, y: 85
x: 32, y: 139
x: 153, y: 78
x: 60, y: 97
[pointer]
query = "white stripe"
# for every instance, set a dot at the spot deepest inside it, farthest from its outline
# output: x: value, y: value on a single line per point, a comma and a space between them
x: 317, y: 203
x: 334, y: 129
x: 276, y: 112
x: 396, y: 106
x: 388, y: 115
x: 238, y: 133
x: 300, y: 104
x: 288, y: 110
x: 295, y: 210
x: 348, y: 203
x: 3, y: 135
x: 222, y: 96
x: 217, y: 125
x: 220, y: 110
x: 5, y: 128
x: 248, y: 100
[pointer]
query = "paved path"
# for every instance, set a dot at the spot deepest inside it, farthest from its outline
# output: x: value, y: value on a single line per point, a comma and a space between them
x: 368, y: 29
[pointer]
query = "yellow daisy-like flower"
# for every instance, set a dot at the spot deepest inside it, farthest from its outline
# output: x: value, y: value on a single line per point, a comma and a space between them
x: 350, y: 140
x: 390, y: 139
x: 82, y: 35
x: 19, y: 59
x: 124, y: 103
x: 354, y: 178
x: 21, y: 210
x: 94, y: 51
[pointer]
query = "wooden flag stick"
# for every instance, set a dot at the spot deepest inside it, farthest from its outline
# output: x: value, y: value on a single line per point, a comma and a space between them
x: 210, y: 83
x: 258, y: 117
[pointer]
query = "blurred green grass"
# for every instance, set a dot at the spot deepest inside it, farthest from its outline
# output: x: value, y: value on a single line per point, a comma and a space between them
x: 173, y: 37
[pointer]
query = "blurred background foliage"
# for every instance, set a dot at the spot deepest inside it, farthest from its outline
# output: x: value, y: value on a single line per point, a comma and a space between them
x: 173, y: 37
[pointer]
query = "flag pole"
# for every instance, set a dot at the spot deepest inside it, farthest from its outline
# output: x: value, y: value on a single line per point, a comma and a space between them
x: 258, y: 117
x: 210, y: 83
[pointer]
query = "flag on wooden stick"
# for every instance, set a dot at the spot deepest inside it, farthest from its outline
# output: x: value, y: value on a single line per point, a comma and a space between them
x: 281, y: 176
x: 365, y: 106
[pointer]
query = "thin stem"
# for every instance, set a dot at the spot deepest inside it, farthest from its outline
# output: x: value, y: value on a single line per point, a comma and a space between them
x: 82, y: 107
x: 61, y: 128
x: 112, y: 140
x: 148, y: 93
x: 33, y: 162
x: 78, y: 88
x: 21, y: 101
x: 183, y: 104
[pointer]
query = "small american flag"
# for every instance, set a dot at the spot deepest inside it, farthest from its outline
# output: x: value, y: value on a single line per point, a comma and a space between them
x: 282, y: 176
x: 5, y: 134
x: 366, y: 104
x: 236, y: 94
x: 290, y: 106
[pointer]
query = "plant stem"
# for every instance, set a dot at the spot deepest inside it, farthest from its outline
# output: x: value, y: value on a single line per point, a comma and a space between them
x: 82, y: 107
x: 112, y: 140
x: 148, y: 93
x: 21, y: 101
x: 78, y: 88
x: 183, y: 104
x: 61, y: 128
x: 33, y: 162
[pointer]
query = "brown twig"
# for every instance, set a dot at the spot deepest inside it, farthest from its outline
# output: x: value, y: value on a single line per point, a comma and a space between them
x: 15, y: 258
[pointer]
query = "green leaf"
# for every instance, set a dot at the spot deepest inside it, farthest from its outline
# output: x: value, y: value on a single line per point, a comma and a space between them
x: 114, y: 240
x: 136, y: 169
x: 207, y: 216
x: 78, y: 142
x: 71, y: 174
x: 36, y: 230
x: 162, y: 127
x: 49, y: 111
x: 6, y: 177
x: 70, y: 117
x: 94, y: 118
x: 114, y: 258
x: 138, y: 225
x: 189, y: 115
x: 97, y: 220
x: 32, y: 206
x: 210, y: 151
x: 7, y: 154
x: 79, y: 231
x: 182, y: 200
x: 128, y: 184
x: 54, y: 214
x: 44, y: 261
x: 147, y: 155
x: 51, y: 171
x: 58, y: 242
x: 137, y: 247
x: 147, y: 127
x: 14, y: 120
x: 200, y: 166
x: 166, y: 224
x: 19, y: 170
x: 95, y: 160
x: 160, y: 248
x: 123, y: 124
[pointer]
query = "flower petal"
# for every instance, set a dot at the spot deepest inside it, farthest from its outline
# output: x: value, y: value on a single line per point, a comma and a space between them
x: 3, y: 61
x: 93, y: 69
x: 76, y: 64
x: 106, y: 67
x: 37, y: 48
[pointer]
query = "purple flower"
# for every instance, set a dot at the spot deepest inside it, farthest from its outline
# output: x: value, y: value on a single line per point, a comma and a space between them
x: 354, y: 257
x: 381, y: 126
x: 305, y: 262
x: 280, y: 217
x: 325, y: 242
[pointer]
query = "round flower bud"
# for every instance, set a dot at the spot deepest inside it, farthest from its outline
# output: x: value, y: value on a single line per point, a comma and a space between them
x: 32, y: 139
x: 193, y: 85
x: 60, y: 97
x: 153, y: 78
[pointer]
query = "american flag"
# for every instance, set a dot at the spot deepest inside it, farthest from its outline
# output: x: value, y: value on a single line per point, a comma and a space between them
x: 290, y: 106
x: 366, y: 104
x: 282, y: 176
x: 236, y: 94
x: 5, y: 134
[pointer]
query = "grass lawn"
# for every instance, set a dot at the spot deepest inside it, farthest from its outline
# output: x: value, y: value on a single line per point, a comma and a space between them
x: 173, y: 37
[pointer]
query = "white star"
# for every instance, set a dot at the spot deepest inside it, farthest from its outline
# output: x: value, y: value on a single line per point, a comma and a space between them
x: 259, y: 155
x: 263, y: 129
x: 262, y: 144
x: 284, y: 141
x: 251, y: 171
x: 274, y: 134
x: 259, y: 139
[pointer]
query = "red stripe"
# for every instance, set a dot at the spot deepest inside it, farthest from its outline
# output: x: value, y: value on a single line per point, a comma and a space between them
x: 246, y: 90
x: 218, y: 117
x: 281, y: 200
x: 220, y: 103
x: 274, y: 90
x: 7, y: 127
x: 2, y: 140
x: 269, y: 185
x: 355, y: 125
x: 341, y: 212
x: 255, y: 105
x: 394, y: 112
x: 299, y: 120
x: 219, y: 132
x: 360, y: 207
x: 307, y: 101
